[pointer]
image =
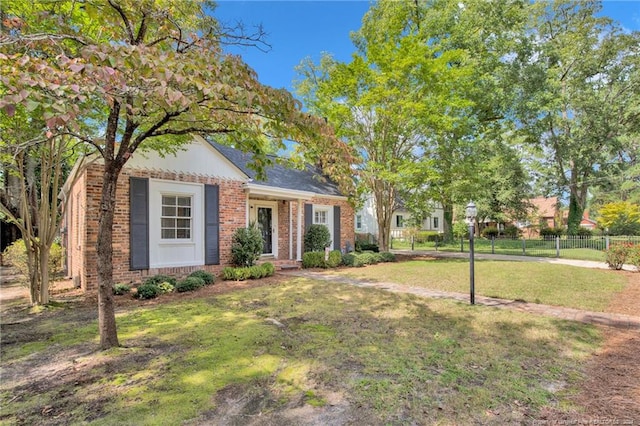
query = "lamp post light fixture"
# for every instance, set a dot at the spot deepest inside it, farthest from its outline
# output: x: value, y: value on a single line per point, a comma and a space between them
x: 470, y: 215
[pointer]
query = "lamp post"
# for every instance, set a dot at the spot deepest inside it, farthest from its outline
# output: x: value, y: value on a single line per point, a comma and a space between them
x: 470, y: 214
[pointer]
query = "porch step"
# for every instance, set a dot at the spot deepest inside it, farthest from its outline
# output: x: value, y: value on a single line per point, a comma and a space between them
x: 289, y: 267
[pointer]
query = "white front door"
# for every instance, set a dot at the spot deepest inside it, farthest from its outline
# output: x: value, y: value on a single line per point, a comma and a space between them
x: 265, y: 215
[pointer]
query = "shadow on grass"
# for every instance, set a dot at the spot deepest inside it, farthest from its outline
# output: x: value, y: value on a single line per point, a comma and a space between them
x: 304, y: 351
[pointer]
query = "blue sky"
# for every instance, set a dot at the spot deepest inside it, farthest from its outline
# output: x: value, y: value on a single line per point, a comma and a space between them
x: 299, y: 29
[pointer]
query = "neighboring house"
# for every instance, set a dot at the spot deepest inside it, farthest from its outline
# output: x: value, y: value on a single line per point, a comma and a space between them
x: 366, y: 220
x: 544, y: 213
x: 176, y: 214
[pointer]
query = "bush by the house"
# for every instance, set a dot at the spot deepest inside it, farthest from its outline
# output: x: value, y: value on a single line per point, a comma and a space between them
x: 207, y: 277
x: 617, y: 254
x: 316, y: 259
x: 367, y: 258
x: 313, y: 259
x: 364, y: 246
x: 317, y: 238
x: 16, y: 256
x: 584, y: 233
x: 166, y: 287
x: 268, y: 268
x: 189, y: 284
x: 160, y: 278
x: 244, y: 273
x: 120, y: 289
x: 511, y: 231
x: 551, y: 232
x: 490, y: 232
x: 246, y: 246
x: 429, y: 236
x: 148, y: 290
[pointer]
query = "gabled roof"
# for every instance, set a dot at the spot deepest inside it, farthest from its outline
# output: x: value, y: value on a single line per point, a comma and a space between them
x: 545, y: 207
x: 279, y: 176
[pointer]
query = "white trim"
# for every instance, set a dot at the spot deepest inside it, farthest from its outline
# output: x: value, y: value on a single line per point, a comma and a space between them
x: 280, y: 193
x: 273, y: 205
x: 299, y: 234
x: 290, y: 230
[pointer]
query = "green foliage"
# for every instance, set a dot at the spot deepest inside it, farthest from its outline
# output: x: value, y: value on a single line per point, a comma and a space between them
x: 490, y: 232
x: 160, y: 278
x: 335, y: 259
x: 246, y: 246
x: 16, y: 256
x: 268, y: 268
x: 460, y: 230
x: 388, y: 256
x: 207, y: 277
x: 349, y: 259
x: 120, y: 289
x: 148, y: 290
x: 548, y: 232
x: 512, y: 231
x: 428, y: 236
x: 584, y: 233
x: 620, y: 218
x: 228, y: 273
x: 367, y: 258
x: 317, y: 238
x: 617, y: 255
x: 190, y: 283
x: 165, y: 287
x: 256, y: 272
x: 313, y: 259
x: 365, y: 246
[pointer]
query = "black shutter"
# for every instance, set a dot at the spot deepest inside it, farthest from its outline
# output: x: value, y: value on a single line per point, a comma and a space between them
x: 336, y: 227
x: 211, y: 225
x: 308, y: 216
x: 138, y: 223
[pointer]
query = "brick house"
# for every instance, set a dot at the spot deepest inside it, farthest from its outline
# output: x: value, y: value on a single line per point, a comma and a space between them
x: 177, y: 214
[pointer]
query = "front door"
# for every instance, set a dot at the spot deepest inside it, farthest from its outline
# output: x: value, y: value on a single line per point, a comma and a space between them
x: 265, y: 224
x: 264, y: 215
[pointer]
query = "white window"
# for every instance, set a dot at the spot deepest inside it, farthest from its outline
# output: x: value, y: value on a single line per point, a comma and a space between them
x: 435, y: 223
x: 399, y: 221
x: 175, y: 221
x: 358, y: 221
x: 321, y: 217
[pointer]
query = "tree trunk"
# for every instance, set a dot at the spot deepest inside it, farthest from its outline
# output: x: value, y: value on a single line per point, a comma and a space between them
x: 32, y: 266
x: 44, y: 275
x: 447, y: 228
x: 576, y: 210
x: 106, y: 311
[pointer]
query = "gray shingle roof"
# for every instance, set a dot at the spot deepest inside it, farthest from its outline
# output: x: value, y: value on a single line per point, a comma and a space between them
x: 277, y: 175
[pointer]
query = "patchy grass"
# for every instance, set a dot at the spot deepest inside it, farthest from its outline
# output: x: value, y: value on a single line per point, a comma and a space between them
x: 332, y: 350
x: 560, y: 285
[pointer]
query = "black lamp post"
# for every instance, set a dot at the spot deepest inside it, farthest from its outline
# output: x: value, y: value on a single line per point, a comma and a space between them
x: 470, y: 214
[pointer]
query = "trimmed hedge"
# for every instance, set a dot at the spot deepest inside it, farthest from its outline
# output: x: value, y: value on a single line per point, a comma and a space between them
x: 315, y: 259
x: 207, y: 277
x: 189, y: 284
x: 148, y: 290
x: 367, y: 258
x: 251, y: 272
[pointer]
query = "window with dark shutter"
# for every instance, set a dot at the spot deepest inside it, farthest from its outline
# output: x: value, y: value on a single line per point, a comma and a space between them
x: 138, y: 223
x: 211, y: 225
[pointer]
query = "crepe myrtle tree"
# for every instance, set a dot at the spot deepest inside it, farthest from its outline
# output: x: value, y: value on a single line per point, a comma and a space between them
x: 120, y: 77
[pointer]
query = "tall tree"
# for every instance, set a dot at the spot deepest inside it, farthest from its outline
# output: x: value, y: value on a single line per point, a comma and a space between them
x: 578, y: 95
x: 146, y: 75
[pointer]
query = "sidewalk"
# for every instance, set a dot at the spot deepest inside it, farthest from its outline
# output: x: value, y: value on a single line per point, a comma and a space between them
x: 601, y: 318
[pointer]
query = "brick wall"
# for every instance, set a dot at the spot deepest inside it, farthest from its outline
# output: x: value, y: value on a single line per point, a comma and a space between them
x: 82, y: 222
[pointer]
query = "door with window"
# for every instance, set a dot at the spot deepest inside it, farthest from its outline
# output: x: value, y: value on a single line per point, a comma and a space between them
x: 263, y: 214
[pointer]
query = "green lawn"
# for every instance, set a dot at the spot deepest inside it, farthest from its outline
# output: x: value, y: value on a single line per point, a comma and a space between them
x: 560, y: 285
x: 334, y: 351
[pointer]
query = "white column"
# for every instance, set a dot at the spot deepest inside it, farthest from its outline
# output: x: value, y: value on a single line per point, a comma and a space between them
x: 290, y: 230
x: 246, y: 207
x: 299, y: 234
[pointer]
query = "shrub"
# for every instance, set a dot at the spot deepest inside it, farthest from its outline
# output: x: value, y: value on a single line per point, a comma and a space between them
x: 148, y: 290
x: 256, y: 272
x: 120, y: 289
x: 617, y: 254
x: 313, y: 259
x: 158, y: 279
x: 349, y: 259
x: 268, y: 269
x: 189, y: 284
x: 633, y: 256
x: 246, y: 246
x: 367, y: 247
x: 228, y: 273
x: 317, y: 238
x: 460, y: 230
x: 166, y: 287
x: 207, y: 277
x: 16, y: 255
x: 388, y: 256
x: 369, y: 258
x: 547, y: 232
x: 584, y: 233
x: 512, y: 231
x: 335, y: 259
x: 490, y: 232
